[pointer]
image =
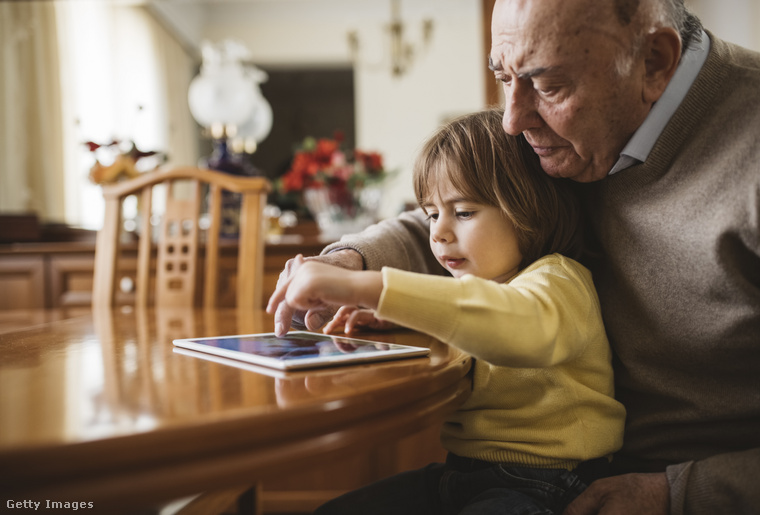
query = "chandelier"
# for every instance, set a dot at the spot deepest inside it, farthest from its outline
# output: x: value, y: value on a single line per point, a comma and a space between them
x: 402, y: 52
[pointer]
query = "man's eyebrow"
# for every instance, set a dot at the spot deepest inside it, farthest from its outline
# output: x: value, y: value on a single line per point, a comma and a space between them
x: 534, y: 72
x: 496, y: 67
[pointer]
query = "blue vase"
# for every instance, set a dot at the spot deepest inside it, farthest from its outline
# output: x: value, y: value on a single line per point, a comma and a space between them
x: 223, y: 160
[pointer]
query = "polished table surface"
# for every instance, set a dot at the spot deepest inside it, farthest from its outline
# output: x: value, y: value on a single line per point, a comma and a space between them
x: 99, y: 407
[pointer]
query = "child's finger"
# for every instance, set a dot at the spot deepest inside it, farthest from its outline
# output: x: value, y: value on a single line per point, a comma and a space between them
x: 338, y: 320
x: 358, y: 318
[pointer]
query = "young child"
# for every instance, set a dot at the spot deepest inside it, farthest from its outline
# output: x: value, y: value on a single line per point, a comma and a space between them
x: 541, y: 422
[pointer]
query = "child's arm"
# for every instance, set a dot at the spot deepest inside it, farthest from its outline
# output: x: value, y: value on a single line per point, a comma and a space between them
x: 544, y: 316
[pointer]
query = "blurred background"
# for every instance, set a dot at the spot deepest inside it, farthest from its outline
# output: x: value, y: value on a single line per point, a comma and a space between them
x: 381, y: 74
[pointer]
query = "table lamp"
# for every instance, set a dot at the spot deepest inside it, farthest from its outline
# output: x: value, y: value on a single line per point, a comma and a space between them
x: 225, y: 98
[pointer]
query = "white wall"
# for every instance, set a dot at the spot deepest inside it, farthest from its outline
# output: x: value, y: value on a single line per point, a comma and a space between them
x: 184, y: 20
x: 394, y: 115
x: 737, y: 21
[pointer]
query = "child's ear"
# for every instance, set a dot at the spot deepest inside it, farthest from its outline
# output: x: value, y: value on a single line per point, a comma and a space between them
x: 662, y: 53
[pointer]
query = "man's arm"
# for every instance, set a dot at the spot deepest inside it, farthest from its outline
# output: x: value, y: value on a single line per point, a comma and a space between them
x: 401, y: 242
x: 725, y: 483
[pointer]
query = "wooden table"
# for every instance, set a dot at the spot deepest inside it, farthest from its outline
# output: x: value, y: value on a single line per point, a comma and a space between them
x: 99, y: 408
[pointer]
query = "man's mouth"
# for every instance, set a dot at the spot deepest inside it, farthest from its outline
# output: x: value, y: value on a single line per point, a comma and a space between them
x: 544, y: 151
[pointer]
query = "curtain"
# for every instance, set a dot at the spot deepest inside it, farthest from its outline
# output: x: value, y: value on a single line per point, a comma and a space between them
x: 177, y: 68
x: 124, y: 78
x: 31, y: 162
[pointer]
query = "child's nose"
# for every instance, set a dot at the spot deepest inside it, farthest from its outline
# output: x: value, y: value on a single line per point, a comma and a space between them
x: 441, y: 233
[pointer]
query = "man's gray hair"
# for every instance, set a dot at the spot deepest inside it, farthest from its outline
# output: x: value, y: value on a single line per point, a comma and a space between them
x: 655, y: 14
x: 674, y: 13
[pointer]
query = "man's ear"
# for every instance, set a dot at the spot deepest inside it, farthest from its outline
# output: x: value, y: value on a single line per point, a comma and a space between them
x: 662, y: 53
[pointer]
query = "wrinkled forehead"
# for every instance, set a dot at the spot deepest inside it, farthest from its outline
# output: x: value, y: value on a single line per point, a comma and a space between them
x: 526, y: 30
x: 550, y: 16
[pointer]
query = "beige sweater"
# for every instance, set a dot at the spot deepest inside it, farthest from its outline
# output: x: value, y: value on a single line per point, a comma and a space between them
x: 679, y: 285
x: 542, y: 384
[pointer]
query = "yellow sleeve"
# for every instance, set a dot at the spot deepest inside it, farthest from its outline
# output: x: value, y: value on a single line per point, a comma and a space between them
x: 542, y: 317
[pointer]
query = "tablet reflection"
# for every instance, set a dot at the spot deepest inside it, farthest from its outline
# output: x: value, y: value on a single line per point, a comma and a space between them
x: 294, y: 388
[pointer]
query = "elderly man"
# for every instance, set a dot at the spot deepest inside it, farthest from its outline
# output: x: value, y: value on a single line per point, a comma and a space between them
x: 656, y: 120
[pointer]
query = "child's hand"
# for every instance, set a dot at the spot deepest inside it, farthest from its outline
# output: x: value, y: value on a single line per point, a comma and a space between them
x: 286, y: 316
x: 350, y: 318
x: 315, y: 285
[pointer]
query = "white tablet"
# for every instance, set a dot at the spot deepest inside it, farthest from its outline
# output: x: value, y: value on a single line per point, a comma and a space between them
x: 299, y: 349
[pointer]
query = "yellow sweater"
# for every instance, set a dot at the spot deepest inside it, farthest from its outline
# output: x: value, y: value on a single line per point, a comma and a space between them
x: 542, y: 386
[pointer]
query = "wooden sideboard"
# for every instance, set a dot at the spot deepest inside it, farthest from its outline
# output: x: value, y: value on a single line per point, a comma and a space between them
x: 59, y: 274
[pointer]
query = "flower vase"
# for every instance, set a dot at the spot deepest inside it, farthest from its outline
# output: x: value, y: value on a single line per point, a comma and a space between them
x: 339, y: 210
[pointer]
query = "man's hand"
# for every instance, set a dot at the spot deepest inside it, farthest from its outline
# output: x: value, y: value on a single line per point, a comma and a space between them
x: 284, y: 314
x: 632, y: 494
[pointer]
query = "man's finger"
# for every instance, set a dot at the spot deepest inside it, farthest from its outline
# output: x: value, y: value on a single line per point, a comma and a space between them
x: 587, y: 503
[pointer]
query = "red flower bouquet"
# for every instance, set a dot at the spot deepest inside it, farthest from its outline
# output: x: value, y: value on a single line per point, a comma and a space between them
x: 322, y: 163
x: 335, y: 184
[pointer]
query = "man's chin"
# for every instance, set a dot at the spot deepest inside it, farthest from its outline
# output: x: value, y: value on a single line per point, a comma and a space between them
x: 555, y: 168
x: 573, y: 171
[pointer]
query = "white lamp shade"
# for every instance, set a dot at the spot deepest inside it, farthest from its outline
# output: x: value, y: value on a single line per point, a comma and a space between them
x: 221, y: 95
x: 259, y: 122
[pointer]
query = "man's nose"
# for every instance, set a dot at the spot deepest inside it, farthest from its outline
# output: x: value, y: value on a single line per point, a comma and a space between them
x: 519, y: 109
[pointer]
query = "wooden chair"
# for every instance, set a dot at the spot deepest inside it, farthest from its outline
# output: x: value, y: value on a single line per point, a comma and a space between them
x: 178, y: 241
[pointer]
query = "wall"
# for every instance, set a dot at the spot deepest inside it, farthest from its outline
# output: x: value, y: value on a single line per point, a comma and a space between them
x: 183, y: 20
x: 394, y: 115
x: 732, y: 20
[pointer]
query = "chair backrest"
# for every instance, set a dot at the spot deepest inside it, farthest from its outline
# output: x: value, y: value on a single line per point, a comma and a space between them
x: 178, y: 239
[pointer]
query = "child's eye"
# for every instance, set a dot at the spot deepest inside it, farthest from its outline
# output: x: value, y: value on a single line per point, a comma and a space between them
x: 432, y: 216
x: 465, y: 214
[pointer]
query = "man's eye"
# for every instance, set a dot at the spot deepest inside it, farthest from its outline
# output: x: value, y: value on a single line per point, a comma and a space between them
x: 546, y: 90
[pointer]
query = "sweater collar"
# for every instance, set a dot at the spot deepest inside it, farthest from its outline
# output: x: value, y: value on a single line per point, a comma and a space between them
x: 641, y: 143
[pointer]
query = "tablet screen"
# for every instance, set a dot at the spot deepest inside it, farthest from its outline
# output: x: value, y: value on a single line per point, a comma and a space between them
x: 299, y: 349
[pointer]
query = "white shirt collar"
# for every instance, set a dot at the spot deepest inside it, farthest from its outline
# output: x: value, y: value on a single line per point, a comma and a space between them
x: 641, y: 143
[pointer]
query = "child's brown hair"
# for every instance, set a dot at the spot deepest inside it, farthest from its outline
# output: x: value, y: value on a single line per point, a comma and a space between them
x: 490, y: 167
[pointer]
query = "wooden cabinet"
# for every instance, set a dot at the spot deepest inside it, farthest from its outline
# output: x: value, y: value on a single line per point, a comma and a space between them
x: 22, y: 281
x: 58, y: 275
